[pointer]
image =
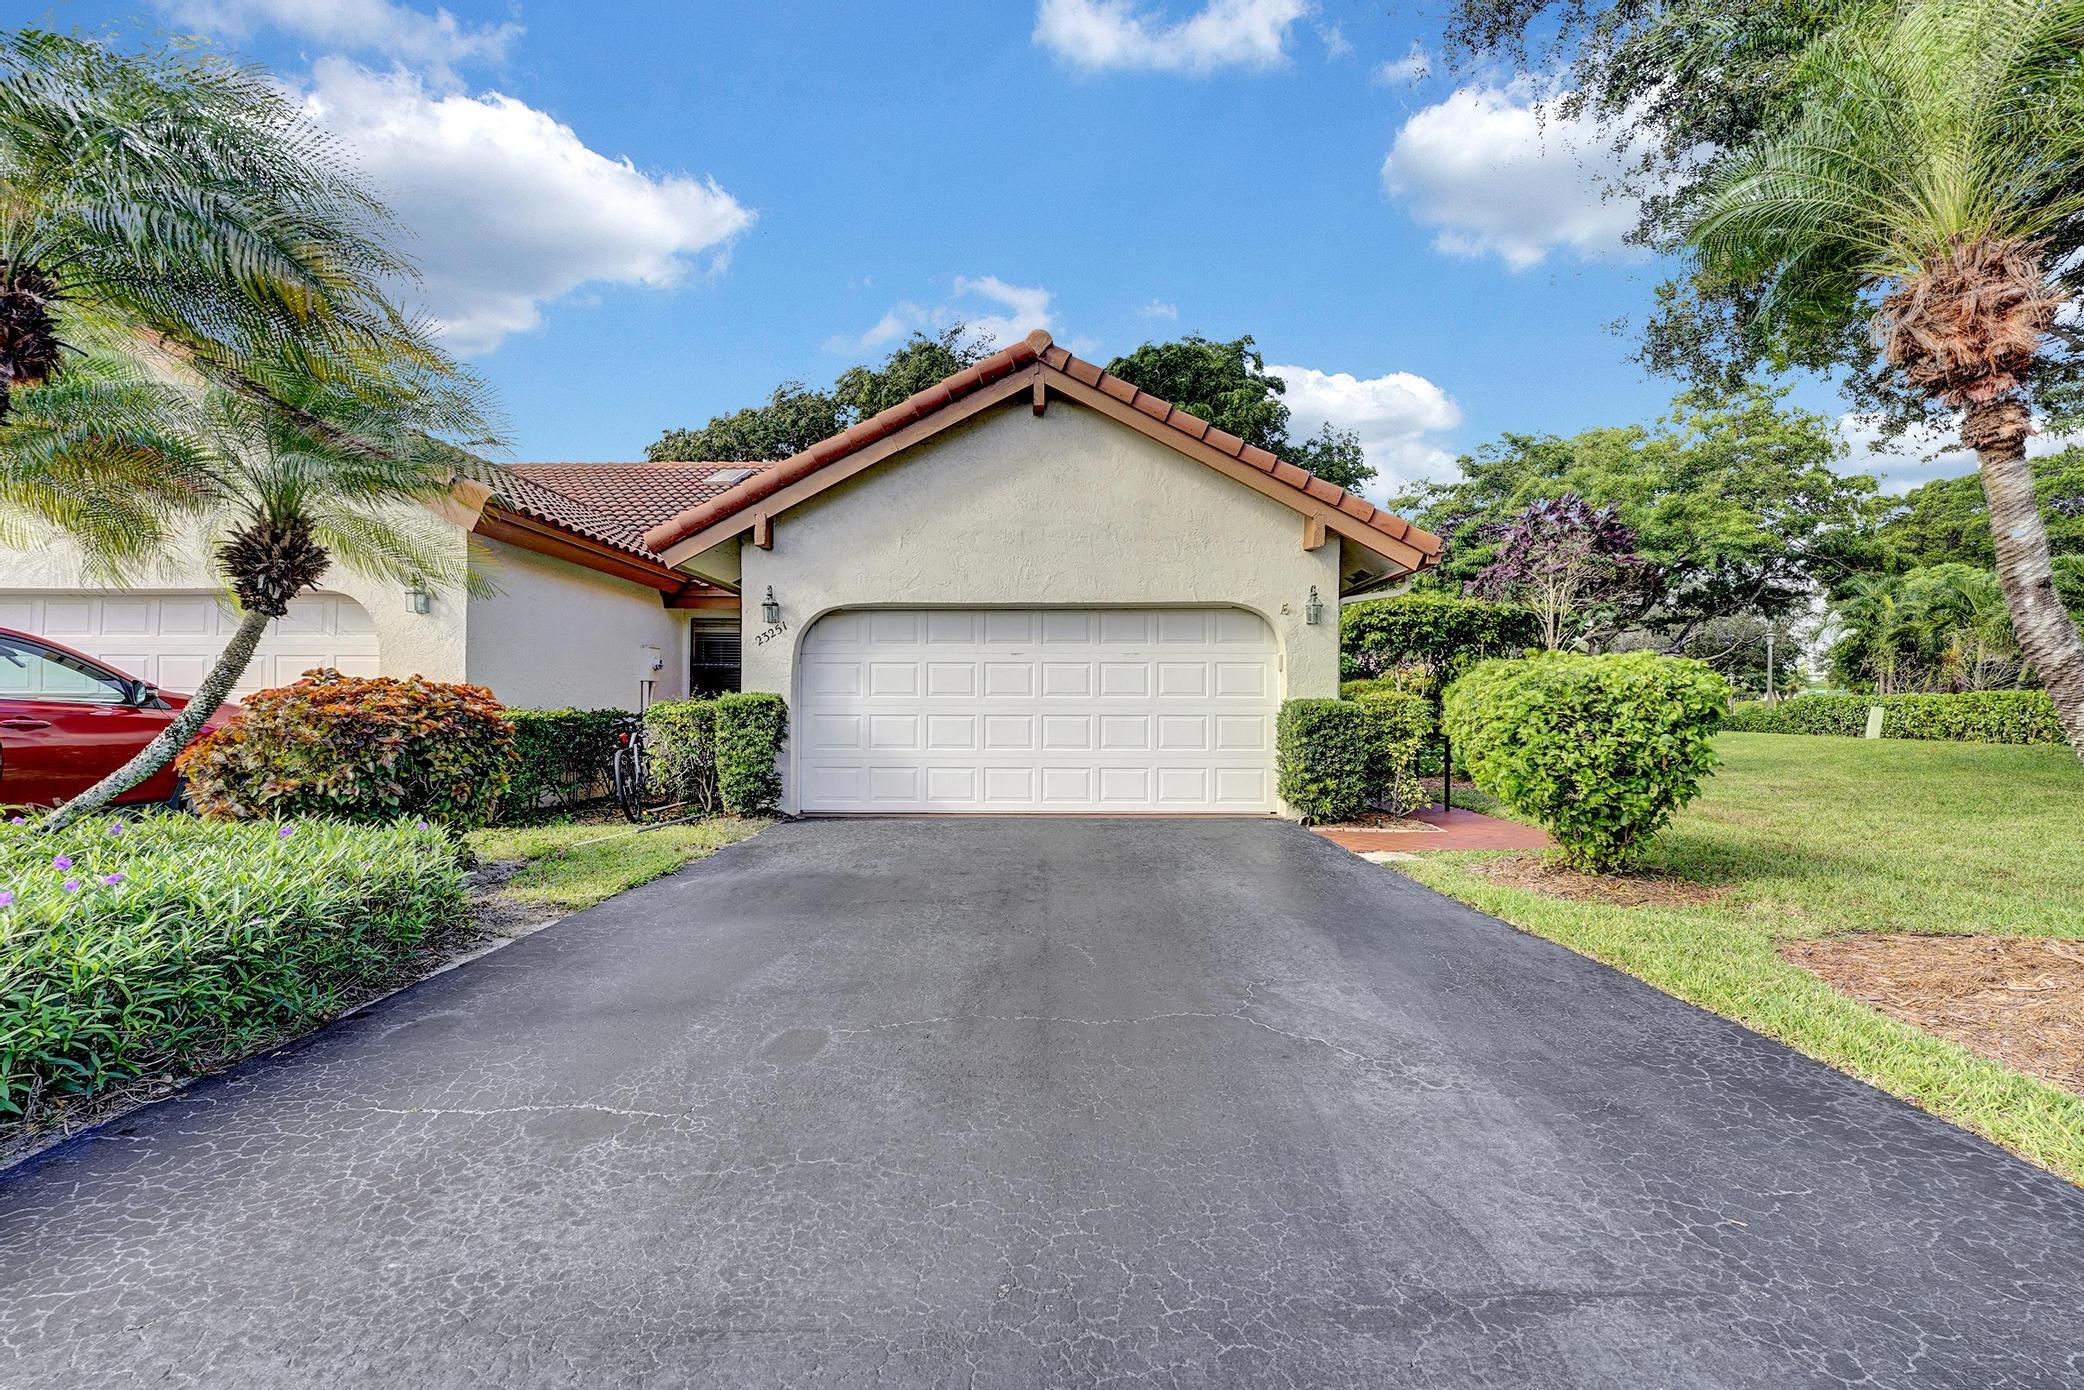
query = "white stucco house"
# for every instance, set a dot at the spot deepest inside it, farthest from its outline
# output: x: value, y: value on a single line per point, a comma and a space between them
x: 1031, y: 588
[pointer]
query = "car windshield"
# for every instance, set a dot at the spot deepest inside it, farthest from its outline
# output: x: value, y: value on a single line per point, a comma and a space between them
x: 30, y: 672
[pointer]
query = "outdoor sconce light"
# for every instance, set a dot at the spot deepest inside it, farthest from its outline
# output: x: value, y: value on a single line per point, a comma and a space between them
x: 1313, y: 611
x: 421, y: 601
x: 770, y: 610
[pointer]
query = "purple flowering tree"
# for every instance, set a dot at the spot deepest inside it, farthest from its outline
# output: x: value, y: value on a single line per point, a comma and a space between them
x: 1573, y: 564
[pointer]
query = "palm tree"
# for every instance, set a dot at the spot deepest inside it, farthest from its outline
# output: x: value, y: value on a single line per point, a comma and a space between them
x: 277, y: 504
x: 177, y: 205
x: 1938, y: 150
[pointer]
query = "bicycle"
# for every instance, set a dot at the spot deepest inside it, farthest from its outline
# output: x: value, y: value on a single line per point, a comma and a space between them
x: 632, y: 774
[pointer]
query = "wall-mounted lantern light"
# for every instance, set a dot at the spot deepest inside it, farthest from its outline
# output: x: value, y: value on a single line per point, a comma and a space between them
x: 420, y: 599
x: 770, y: 611
x: 1313, y: 611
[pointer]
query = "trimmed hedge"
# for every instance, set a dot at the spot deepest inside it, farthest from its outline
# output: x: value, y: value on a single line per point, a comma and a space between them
x: 1324, y: 759
x: 1337, y: 759
x: 751, y: 727
x: 680, y: 735
x: 1983, y: 716
x: 1401, y: 735
x: 1442, y: 631
x: 356, y: 747
x: 563, y: 757
x: 1755, y: 717
x: 1601, y: 750
x: 163, y: 943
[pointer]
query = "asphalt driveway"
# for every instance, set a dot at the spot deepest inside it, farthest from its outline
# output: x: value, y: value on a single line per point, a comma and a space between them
x: 1033, y: 1102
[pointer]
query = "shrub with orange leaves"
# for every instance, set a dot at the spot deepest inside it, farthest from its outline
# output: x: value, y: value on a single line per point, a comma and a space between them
x: 359, y: 748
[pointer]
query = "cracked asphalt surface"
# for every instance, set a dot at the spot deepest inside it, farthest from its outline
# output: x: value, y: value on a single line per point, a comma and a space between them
x: 1036, y: 1102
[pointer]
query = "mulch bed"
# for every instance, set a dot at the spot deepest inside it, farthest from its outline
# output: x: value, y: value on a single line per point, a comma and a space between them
x: 1536, y: 875
x: 2019, y: 999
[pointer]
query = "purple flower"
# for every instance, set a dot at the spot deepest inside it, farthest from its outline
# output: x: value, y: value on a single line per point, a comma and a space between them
x: 6, y: 897
x: 112, y: 879
x: 18, y: 820
x: 284, y: 833
x: 116, y: 828
x: 71, y: 885
x: 61, y: 861
x: 420, y: 825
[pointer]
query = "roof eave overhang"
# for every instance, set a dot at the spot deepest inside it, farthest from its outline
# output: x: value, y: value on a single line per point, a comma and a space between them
x: 1023, y: 384
x: 678, y: 590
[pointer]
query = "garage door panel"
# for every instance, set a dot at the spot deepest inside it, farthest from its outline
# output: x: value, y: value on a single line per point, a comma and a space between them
x: 1048, y: 709
x: 172, y: 637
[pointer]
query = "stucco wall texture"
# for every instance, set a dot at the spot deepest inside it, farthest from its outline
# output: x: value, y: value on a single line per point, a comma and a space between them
x: 556, y: 635
x: 1016, y: 510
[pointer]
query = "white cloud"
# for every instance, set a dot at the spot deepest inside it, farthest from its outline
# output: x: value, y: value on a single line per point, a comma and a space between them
x: 1393, y: 414
x: 1501, y: 172
x: 1415, y: 66
x: 507, y: 208
x: 1920, y: 456
x: 1105, y: 35
x: 1158, y: 309
x: 431, y: 42
x: 1336, y: 44
x: 1021, y: 310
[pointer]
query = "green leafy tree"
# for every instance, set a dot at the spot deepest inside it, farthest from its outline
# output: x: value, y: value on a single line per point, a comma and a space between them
x: 1922, y: 191
x: 1949, y: 519
x: 1227, y: 384
x: 796, y: 417
x: 1733, y: 502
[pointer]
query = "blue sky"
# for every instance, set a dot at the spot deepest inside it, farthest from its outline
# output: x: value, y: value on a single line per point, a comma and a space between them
x: 636, y: 215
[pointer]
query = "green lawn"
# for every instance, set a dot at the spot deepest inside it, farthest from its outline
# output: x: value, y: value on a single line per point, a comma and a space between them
x: 575, y: 864
x: 1818, y: 836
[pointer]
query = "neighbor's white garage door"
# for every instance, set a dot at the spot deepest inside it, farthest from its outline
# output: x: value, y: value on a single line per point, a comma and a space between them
x: 1038, y: 710
x: 170, y: 637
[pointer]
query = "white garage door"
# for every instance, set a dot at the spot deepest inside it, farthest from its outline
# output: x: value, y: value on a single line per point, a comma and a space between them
x: 170, y: 637
x: 1038, y: 710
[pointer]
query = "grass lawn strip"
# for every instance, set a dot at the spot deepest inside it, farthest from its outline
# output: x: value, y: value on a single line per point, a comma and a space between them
x: 1803, y: 838
x: 549, y: 870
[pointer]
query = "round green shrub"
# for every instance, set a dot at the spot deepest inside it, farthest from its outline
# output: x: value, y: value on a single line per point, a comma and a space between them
x: 1601, y: 750
x: 357, y: 747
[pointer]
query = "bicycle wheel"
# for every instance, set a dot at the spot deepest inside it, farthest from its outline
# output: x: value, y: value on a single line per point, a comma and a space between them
x: 629, y: 781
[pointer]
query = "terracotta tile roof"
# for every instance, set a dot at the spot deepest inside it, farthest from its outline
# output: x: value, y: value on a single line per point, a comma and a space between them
x: 523, y: 494
x: 1035, y: 348
x: 642, y: 494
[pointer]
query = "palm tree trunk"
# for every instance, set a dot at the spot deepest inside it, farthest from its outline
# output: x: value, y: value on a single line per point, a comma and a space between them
x: 2048, y: 637
x: 231, y: 664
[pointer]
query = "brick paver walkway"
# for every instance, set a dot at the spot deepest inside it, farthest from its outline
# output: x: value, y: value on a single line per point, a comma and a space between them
x: 1434, y: 828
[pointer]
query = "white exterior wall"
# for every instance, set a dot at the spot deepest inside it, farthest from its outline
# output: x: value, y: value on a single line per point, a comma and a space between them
x: 429, y: 644
x: 1012, y: 510
x: 556, y: 634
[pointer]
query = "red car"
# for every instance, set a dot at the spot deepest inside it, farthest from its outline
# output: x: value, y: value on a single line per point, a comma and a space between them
x: 67, y: 721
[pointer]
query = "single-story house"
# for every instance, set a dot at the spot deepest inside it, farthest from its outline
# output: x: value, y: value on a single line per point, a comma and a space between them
x: 1030, y: 588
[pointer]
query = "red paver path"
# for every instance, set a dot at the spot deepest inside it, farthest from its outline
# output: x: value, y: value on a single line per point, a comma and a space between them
x: 1434, y: 828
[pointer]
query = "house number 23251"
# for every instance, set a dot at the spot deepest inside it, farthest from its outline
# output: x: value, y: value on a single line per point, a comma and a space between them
x: 770, y: 634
